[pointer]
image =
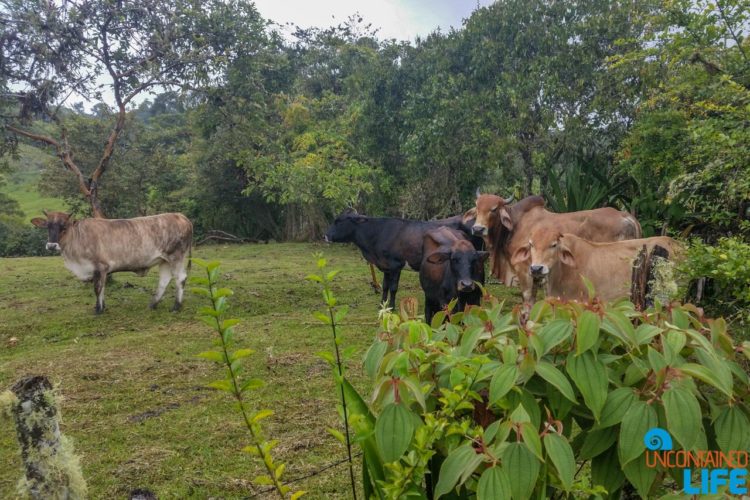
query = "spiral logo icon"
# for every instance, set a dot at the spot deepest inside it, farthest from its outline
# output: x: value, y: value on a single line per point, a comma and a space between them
x: 657, y: 439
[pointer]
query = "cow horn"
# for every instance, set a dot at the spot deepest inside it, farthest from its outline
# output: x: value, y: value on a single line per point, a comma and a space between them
x: 479, y: 193
x: 509, y: 199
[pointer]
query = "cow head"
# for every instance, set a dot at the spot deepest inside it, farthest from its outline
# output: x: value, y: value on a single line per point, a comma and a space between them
x: 56, y: 223
x: 545, y: 250
x: 466, y: 264
x: 489, y: 210
x: 344, y: 227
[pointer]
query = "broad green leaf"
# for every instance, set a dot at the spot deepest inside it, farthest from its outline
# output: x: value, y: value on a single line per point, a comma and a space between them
x: 618, y: 402
x: 683, y: 415
x: 590, y: 376
x: 502, y: 381
x: 456, y: 464
x: 522, y: 468
x: 413, y: 386
x: 252, y: 383
x: 641, y: 476
x: 732, y: 429
x: 222, y: 385
x: 588, y: 331
x: 357, y: 406
x: 597, y: 442
x: 655, y: 359
x: 240, y: 353
x: 639, y: 418
x: 494, y: 484
x: 212, y: 355
x: 374, y: 356
x: 561, y: 454
x: 676, y: 341
x: 607, y: 472
x: 645, y: 332
x: 555, y: 377
x: 554, y: 333
x: 531, y: 439
x: 394, y: 429
x: 261, y: 415
x: 337, y: 434
x: 705, y: 375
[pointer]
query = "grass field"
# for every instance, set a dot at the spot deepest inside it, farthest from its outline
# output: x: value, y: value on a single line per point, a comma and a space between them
x: 134, y: 396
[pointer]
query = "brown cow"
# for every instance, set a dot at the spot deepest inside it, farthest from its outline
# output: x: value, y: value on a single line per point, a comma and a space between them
x: 508, y: 227
x: 560, y: 260
x: 94, y: 248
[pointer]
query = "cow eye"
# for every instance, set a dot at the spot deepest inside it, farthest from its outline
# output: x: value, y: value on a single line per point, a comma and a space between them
x: 493, y: 209
x: 553, y: 245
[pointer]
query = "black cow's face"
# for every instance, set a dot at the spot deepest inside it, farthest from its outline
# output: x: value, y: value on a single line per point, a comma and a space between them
x: 466, y: 264
x: 56, y: 224
x: 344, y: 227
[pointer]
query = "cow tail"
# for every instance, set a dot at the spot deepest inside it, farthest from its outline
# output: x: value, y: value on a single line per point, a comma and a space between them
x: 190, y: 257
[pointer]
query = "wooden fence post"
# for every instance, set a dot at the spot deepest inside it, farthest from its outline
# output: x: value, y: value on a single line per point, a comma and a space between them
x: 643, y: 275
x: 52, y: 470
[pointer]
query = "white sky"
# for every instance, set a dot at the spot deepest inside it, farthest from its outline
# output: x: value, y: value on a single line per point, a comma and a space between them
x: 400, y: 19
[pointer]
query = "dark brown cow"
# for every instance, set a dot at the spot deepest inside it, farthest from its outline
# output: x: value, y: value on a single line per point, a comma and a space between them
x: 450, y: 267
x: 508, y: 228
x: 94, y: 248
x: 559, y: 261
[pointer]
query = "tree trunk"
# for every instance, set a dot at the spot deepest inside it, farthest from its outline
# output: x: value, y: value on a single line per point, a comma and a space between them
x: 528, y: 169
x: 52, y: 470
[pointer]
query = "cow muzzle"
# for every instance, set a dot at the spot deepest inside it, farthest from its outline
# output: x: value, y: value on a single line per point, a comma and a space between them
x: 466, y: 286
x: 479, y: 230
x: 53, y: 246
x: 538, y: 270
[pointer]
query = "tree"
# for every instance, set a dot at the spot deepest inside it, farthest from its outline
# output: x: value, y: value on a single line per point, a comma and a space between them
x: 108, y: 51
x: 689, y: 146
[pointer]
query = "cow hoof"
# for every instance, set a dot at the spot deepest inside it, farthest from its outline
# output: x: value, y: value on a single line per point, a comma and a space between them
x: 98, y: 310
x: 176, y: 307
x: 153, y: 305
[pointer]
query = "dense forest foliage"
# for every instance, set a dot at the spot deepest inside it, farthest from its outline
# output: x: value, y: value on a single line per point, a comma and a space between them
x: 643, y: 105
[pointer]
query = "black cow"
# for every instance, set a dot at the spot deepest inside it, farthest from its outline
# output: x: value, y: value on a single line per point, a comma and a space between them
x: 390, y: 243
x: 450, y: 267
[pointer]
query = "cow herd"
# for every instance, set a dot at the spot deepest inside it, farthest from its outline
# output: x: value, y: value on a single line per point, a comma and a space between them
x: 527, y: 243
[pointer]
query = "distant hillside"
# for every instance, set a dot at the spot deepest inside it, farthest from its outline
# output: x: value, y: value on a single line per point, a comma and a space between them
x: 24, y: 178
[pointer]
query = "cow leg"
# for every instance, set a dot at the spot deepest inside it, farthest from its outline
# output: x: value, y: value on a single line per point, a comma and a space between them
x: 386, y: 286
x: 180, y: 277
x: 430, y: 308
x: 393, y: 287
x: 165, y: 276
x: 100, y: 279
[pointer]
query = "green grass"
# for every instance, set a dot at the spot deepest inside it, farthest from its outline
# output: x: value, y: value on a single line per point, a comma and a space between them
x: 134, y: 397
x: 22, y: 182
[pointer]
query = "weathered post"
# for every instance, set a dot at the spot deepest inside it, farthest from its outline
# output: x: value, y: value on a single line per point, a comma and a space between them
x: 641, y: 293
x: 52, y: 470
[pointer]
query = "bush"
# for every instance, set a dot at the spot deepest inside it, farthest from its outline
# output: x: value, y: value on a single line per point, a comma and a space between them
x: 18, y: 240
x: 726, y: 267
x: 486, y: 405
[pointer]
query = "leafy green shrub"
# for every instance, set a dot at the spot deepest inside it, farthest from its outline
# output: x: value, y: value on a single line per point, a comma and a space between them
x: 18, y: 240
x: 727, y: 269
x: 485, y: 405
x: 233, y: 383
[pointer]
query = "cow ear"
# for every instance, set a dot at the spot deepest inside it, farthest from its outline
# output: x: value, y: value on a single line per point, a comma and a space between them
x: 505, y: 219
x: 566, y: 256
x: 469, y: 215
x: 39, y: 222
x: 521, y: 255
x: 438, y: 257
x: 483, y: 256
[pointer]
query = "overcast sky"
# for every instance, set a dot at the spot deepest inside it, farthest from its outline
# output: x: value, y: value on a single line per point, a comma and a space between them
x: 400, y: 19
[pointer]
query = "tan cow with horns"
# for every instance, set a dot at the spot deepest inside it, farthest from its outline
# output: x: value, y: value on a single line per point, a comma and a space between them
x: 560, y: 261
x: 508, y: 227
x: 94, y: 248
